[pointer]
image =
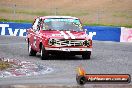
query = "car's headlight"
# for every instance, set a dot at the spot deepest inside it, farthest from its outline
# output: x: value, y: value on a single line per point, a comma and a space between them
x: 87, y: 42
x: 52, y: 41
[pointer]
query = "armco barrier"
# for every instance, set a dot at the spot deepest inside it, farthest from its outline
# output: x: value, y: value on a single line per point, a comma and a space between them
x: 14, y: 29
x: 105, y: 33
x: 102, y: 33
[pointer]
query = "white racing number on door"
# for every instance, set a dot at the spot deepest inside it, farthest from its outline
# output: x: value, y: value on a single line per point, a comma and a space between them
x: 34, y: 42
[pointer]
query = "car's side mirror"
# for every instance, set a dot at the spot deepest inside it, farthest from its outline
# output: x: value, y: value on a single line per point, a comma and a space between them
x: 85, y: 30
x: 34, y: 27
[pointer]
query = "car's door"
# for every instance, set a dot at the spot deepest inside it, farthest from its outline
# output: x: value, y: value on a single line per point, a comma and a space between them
x: 37, y: 37
x: 33, y: 34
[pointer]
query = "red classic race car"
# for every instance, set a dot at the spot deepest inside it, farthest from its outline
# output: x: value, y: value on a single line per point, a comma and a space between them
x: 58, y: 35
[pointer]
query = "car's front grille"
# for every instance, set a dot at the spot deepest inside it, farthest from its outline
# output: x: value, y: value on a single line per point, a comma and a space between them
x: 69, y: 42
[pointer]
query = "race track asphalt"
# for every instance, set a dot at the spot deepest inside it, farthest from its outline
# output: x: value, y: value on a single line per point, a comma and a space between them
x: 107, y: 57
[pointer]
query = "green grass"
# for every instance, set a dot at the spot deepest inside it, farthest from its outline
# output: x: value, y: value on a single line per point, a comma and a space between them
x: 5, y: 10
x: 93, y: 24
x: 4, y: 65
x: 126, y: 15
x: 18, y: 21
x: 73, y: 14
x: 81, y: 13
x: 113, y: 25
x: 33, y: 13
x: 42, y: 13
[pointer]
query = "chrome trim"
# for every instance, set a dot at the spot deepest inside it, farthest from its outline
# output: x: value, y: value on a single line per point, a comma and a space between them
x: 67, y: 42
x: 69, y: 49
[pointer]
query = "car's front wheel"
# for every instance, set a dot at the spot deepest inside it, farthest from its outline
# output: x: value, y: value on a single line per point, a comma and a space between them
x: 44, y: 54
x: 86, y: 55
x: 31, y: 51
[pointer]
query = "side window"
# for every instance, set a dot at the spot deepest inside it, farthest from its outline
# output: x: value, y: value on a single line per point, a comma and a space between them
x: 36, y: 24
x: 46, y: 26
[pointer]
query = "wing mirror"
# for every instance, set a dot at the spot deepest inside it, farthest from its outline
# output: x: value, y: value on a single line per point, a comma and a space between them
x: 85, y: 30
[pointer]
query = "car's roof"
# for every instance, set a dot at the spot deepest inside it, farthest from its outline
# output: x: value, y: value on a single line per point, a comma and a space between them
x: 46, y: 17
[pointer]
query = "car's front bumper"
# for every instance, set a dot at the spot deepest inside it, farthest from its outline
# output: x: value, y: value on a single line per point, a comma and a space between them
x: 68, y: 49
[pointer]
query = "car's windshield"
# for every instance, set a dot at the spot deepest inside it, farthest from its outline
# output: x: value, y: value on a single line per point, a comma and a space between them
x: 62, y: 24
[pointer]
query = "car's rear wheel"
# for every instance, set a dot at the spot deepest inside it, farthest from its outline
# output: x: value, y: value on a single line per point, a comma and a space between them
x: 44, y: 54
x: 31, y: 51
x: 86, y: 55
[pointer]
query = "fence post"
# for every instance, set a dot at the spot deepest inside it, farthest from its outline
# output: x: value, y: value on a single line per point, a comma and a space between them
x: 56, y: 11
x: 97, y: 17
x: 14, y: 10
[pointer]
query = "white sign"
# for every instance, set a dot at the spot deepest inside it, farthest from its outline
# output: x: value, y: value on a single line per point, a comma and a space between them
x: 6, y: 27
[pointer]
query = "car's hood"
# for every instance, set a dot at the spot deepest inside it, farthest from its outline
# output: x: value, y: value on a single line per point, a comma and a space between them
x: 65, y: 34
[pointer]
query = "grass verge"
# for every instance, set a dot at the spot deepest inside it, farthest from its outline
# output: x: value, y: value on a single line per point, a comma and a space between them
x: 85, y: 24
x: 18, y: 21
x: 4, y: 65
x: 113, y: 25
